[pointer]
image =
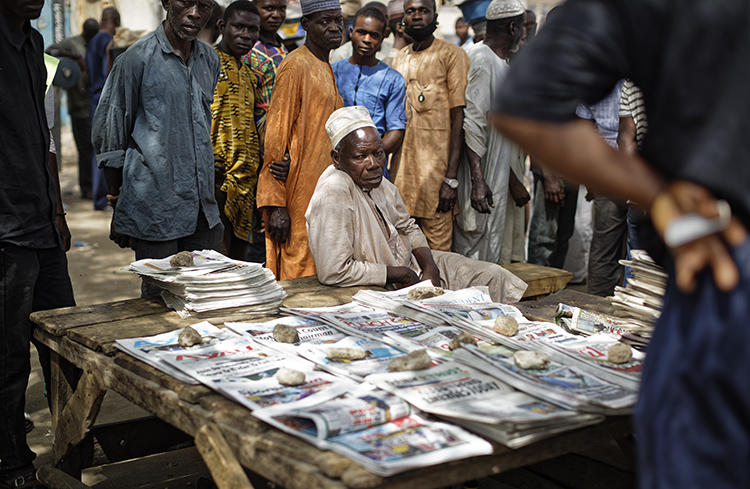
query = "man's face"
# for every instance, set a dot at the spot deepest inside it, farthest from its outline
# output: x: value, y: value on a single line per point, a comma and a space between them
x: 272, y: 14
x: 26, y: 9
x: 462, y: 30
x: 418, y: 14
x: 325, y: 29
x: 367, y: 35
x: 362, y: 157
x: 240, y: 32
x: 187, y: 17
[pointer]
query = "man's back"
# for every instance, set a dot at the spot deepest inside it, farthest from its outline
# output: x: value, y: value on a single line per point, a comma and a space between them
x: 97, y: 64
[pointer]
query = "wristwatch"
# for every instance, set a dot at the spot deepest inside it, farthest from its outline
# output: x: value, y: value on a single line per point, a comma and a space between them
x: 451, y: 182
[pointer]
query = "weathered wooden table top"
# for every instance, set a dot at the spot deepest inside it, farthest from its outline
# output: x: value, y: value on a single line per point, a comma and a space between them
x: 85, y: 337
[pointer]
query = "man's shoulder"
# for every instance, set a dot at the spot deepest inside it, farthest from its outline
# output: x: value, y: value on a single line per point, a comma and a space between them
x: 211, y: 53
x: 448, y: 47
x: 333, y: 182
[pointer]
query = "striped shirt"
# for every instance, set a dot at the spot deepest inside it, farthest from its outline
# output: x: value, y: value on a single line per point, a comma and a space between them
x: 632, y: 105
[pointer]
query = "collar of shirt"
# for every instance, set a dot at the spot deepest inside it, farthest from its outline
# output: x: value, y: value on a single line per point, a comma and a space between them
x: 166, y: 46
x: 17, y: 37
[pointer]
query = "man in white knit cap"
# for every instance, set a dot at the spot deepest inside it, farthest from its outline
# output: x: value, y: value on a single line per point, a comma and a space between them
x: 360, y: 232
x: 490, y: 222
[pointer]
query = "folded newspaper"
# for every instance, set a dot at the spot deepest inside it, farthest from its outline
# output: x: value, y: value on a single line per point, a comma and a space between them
x: 481, y: 403
x: 244, y: 371
x: 153, y: 349
x: 376, y: 430
x: 212, y: 282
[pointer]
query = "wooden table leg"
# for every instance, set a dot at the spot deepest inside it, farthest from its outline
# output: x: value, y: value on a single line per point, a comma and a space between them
x: 223, y: 465
x: 74, y: 417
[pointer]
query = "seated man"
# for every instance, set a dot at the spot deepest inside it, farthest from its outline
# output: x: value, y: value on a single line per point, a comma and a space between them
x: 360, y: 232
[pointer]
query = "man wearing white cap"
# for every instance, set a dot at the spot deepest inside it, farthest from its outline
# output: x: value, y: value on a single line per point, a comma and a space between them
x: 303, y: 97
x: 487, y: 228
x: 360, y: 232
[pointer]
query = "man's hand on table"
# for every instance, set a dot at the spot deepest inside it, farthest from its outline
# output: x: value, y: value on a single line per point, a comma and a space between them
x: 680, y: 198
x: 401, y: 276
x: 277, y: 224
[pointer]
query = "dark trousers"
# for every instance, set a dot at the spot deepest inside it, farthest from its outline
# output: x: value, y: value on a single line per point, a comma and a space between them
x: 30, y: 280
x: 609, y: 220
x: 551, y: 227
x: 691, y: 420
x: 204, y: 238
x: 82, y: 136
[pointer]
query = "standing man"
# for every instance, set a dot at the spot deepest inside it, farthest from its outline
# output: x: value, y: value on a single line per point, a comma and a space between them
x: 363, y: 80
x: 529, y: 27
x: 462, y: 32
x: 152, y: 135
x: 395, y: 13
x: 304, y: 96
x: 483, y: 195
x: 691, y: 420
x: 79, y: 105
x: 33, y: 233
x: 233, y: 133
x: 265, y: 57
x: 98, y: 66
x: 435, y: 73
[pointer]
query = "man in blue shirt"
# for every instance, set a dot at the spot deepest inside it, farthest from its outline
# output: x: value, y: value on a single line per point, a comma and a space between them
x: 363, y: 80
x: 152, y: 137
x: 97, y: 68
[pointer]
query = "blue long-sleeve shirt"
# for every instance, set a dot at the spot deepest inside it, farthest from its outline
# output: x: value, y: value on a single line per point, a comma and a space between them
x: 154, y: 122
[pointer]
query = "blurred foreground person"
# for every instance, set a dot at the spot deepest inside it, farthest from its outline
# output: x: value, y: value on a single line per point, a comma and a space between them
x: 692, y: 415
x: 152, y: 135
x: 33, y: 233
x: 361, y: 233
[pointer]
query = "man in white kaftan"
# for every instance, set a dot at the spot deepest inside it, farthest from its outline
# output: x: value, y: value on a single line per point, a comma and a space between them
x: 360, y: 231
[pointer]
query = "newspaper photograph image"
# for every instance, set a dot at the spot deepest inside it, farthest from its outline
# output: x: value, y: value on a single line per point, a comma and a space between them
x: 365, y: 356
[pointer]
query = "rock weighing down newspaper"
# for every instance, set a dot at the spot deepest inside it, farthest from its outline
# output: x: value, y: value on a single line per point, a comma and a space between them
x: 212, y: 282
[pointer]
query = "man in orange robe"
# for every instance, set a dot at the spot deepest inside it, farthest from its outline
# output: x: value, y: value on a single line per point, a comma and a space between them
x: 304, y: 96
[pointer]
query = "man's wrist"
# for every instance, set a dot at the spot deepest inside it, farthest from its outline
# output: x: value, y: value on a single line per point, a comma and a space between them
x: 451, y: 182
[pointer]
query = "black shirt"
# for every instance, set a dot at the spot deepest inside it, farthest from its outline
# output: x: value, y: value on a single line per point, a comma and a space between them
x: 692, y: 61
x: 27, y: 196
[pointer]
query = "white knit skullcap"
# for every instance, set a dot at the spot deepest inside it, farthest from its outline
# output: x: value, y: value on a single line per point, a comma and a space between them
x: 345, y: 121
x: 503, y: 9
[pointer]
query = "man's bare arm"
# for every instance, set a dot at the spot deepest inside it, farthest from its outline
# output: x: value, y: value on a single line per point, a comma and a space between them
x: 392, y: 140
x: 60, y: 222
x: 481, y: 194
x: 447, y: 194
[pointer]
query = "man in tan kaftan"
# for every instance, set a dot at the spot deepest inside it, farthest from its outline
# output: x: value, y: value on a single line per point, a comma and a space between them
x: 361, y: 233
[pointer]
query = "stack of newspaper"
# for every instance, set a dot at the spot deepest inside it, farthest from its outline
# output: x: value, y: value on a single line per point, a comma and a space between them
x: 639, y: 304
x: 211, y: 283
x: 377, y: 430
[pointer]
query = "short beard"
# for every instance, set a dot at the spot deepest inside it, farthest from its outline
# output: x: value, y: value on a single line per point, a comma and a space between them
x: 422, y: 33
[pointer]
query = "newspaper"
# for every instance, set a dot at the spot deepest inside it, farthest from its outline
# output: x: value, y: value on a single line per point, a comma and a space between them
x: 376, y: 430
x: 213, y: 282
x: 567, y: 386
x: 309, y: 331
x: 244, y: 371
x: 379, y: 355
x: 493, y: 408
x: 151, y: 349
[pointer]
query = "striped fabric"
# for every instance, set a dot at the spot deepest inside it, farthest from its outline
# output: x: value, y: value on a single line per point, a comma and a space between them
x: 633, y: 105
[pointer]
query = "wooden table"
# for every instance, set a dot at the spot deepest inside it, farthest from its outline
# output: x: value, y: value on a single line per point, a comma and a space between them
x: 85, y: 365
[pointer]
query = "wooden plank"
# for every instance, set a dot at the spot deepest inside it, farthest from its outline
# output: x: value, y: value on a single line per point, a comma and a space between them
x: 543, y: 309
x: 57, y: 479
x: 79, y: 414
x: 57, y: 321
x: 96, y: 336
x: 221, y: 462
x: 540, y: 280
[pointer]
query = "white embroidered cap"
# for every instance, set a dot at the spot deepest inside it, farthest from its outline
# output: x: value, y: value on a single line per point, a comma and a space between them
x: 346, y: 120
x: 503, y: 9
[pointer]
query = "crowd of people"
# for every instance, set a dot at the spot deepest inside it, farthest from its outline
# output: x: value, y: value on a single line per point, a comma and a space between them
x: 393, y: 157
